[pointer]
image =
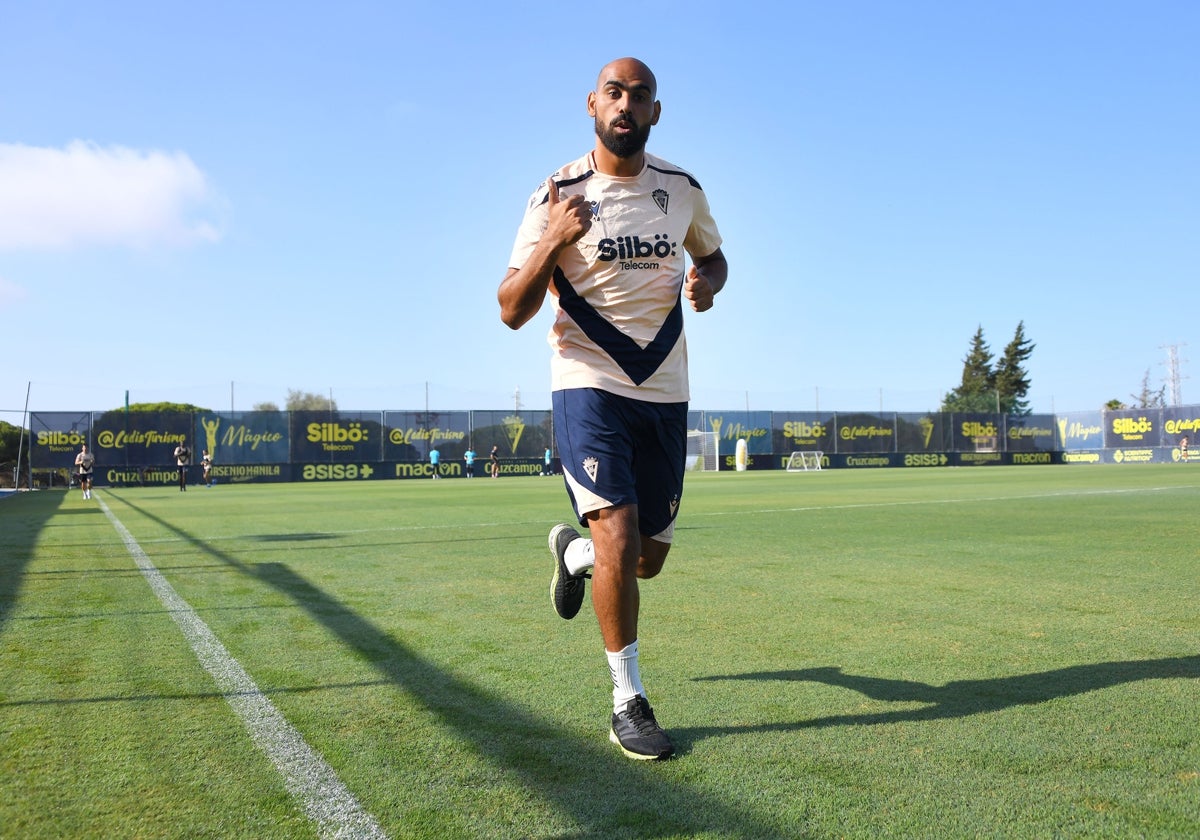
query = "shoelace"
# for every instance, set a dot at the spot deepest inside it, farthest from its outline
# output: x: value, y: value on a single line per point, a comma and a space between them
x: 642, y: 718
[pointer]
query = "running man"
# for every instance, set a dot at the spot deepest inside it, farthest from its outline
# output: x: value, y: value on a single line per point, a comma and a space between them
x: 607, y: 236
x: 85, y: 464
x: 183, y: 457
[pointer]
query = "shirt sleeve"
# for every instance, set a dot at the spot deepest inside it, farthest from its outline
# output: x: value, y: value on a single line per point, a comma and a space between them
x: 533, y: 225
x: 703, y: 238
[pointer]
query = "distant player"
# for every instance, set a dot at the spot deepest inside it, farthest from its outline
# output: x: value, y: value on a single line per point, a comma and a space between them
x: 435, y: 458
x: 183, y: 457
x: 206, y: 462
x: 469, y: 460
x: 607, y: 238
x: 1183, y: 444
x: 85, y: 463
x: 494, y: 461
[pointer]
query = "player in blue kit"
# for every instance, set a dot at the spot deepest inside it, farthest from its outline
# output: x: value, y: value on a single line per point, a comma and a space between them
x: 608, y: 237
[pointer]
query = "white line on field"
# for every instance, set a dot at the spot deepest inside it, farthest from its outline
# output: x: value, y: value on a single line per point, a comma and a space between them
x: 461, y: 526
x: 311, y: 781
x: 958, y: 501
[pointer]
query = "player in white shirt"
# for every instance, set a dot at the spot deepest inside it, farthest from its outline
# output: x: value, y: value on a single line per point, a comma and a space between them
x: 608, y: 237
x: 85, y: 463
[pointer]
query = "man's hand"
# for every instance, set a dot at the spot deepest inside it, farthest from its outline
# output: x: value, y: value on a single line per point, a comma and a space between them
x: 567, y: 221
x: 704, y: 279
x: 523, y: 290
x: 698, y: 291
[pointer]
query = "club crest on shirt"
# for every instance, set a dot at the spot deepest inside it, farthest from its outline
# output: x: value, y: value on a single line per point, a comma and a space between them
x: 661, y: 198
x: 591, y: 466
x: 595, y: 205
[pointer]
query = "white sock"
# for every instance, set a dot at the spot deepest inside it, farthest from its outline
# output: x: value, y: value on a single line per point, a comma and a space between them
x: 579, y: 556
x: 627, y: 683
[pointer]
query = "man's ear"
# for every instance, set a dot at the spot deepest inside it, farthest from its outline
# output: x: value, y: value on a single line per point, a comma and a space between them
x: 657, y: 112
x: 591, y: 103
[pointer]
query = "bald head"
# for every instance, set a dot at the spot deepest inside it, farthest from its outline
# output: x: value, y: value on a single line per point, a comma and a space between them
x: 625, y: 70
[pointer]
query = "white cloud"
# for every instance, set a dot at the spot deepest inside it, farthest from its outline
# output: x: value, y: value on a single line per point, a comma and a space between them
x: 84, y: 195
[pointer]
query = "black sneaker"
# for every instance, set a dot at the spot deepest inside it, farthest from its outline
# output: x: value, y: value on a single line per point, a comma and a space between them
x: 638, y: 734
x: 566, y: 589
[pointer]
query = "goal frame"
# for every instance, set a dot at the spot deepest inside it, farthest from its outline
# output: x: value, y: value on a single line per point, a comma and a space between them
x: 805, y: 460
x: 703, y: 450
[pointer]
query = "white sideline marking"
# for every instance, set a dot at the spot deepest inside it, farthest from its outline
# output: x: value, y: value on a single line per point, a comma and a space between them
x: 459, y: 526
x: 310, y: 780
x: 958, y: 501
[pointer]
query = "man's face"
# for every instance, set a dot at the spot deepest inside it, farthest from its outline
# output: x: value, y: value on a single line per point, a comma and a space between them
x: 624, y: 109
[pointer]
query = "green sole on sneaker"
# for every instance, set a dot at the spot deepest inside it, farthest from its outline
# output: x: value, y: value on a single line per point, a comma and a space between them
x: 636, y: 731
x: 566, y: 589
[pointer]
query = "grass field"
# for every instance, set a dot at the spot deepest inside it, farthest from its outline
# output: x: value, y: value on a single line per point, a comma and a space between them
x: 988, y: 652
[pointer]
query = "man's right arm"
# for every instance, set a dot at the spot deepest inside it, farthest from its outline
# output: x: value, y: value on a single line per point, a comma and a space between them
x: 524, y: 289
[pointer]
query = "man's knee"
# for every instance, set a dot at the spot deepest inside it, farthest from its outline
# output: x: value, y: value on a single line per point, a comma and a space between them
x: 653, y: 556
x: 616, y: 529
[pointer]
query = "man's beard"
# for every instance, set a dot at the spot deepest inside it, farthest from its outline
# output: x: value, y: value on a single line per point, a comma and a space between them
x: 623, y: 145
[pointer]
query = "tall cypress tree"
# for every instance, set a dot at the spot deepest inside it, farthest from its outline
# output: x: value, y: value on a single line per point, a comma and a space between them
x: 1011, y: 379
x: 977, y: 391
x: 990, y: 390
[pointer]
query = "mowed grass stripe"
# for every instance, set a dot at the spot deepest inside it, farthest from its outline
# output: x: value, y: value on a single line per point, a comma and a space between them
x: 819, y: 506
x: 942, y: 653
x: 313, y: 783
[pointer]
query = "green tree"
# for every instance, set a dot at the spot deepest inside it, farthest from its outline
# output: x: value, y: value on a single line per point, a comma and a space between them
x: 977, y: 391
x: 265, y: 406
x: 989, y: 390
x: 167, y: 407
x: 1010, y: 378
x: 152, y: 408
x: 304, y: 401
x: 10, y: 442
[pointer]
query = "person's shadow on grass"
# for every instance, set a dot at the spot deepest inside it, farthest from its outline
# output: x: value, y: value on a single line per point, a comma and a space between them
x: 960, y: 698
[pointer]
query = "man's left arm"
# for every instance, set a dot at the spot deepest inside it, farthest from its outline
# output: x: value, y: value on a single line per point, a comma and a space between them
x: 704, y: 279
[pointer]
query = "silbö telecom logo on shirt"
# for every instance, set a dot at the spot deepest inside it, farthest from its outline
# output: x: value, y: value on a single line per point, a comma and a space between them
x: 635, y: 247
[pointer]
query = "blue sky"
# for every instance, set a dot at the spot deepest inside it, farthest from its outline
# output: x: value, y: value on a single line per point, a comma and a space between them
x: 216, y: 203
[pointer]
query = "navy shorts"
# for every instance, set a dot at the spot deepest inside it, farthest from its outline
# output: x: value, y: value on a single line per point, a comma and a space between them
x: 620, y: 451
